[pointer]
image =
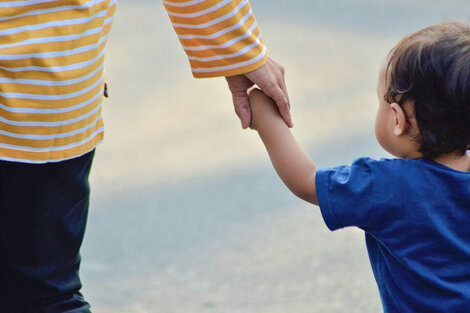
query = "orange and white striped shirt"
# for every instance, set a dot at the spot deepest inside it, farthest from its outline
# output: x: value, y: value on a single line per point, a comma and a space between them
x: 51, y: 66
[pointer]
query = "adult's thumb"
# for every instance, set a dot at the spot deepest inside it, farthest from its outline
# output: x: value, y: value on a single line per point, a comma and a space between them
x: 241, y: 104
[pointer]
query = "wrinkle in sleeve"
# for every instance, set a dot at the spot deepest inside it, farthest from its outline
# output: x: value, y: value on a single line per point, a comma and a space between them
x: 220, y: 37
x: 345, y: 195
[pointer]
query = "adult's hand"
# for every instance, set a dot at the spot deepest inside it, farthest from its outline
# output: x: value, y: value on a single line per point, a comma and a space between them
x: 270, y: 79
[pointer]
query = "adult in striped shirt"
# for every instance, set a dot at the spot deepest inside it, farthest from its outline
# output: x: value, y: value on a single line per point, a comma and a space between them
x: 51, y: 95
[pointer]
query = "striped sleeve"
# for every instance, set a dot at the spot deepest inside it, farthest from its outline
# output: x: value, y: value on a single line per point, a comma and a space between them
x: 220, y: 37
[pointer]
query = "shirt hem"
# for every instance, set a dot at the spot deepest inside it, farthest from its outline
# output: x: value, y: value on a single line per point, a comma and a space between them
x: 86, y: 149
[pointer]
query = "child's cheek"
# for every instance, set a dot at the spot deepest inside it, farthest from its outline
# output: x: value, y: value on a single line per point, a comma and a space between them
x: 381, y: 130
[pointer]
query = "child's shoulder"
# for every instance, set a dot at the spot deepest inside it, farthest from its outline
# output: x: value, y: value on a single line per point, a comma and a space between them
x: 392, y: 164
x: 391, y: 174
x: 369, y: 166
x: 397, y: 165
x: 408, y: 171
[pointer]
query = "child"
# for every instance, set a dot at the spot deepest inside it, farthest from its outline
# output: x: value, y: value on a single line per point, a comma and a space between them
x: 415, y: 209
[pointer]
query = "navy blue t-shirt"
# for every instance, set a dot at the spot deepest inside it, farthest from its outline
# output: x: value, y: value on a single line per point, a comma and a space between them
x: 416, y: 217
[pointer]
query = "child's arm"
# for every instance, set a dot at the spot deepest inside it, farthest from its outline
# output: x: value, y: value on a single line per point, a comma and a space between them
x: 291, y: 162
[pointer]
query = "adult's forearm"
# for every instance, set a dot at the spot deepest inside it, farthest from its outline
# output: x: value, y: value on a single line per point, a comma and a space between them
x: 220, y: 37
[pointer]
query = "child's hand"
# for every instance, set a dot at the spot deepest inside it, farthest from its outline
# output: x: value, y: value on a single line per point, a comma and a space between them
x: 263, y: 109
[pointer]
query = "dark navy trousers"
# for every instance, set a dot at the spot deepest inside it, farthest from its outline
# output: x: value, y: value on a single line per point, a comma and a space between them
x: 43, y: 213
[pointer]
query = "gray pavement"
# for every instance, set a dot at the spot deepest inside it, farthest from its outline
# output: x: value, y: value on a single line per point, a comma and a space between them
x: 235, y: 243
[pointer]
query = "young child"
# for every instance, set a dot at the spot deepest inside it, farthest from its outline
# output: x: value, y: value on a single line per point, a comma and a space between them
x: 415, y: 209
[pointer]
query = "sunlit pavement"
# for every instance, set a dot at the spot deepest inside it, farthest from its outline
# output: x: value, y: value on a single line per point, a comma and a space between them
x: 187, y: 214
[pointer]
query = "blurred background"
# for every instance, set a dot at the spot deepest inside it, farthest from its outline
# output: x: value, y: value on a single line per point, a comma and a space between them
x: 187, y: 214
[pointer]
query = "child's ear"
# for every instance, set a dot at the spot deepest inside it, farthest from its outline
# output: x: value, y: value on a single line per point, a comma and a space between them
x: 400, y: 124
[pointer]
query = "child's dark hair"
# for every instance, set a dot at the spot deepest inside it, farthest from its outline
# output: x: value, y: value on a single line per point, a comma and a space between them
x: 432, y: 69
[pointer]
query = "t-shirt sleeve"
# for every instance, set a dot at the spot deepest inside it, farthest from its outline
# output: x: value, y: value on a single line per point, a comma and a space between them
x: 345, y: 194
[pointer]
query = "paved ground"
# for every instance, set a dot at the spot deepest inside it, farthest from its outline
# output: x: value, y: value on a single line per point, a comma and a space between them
x: 187, y: 214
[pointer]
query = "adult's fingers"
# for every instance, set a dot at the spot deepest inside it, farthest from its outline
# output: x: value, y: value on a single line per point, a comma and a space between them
x: 281, y: 81
x: 282, y: 84
x: 287, y: 117
x: 238, y: 86
x: 241, y: 104
x: 278, y: 95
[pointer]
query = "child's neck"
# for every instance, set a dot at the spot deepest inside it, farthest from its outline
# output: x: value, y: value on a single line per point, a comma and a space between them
x: 455, y: 160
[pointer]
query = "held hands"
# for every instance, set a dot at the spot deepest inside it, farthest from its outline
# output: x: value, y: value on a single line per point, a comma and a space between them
x: 263, y: 109
x: 270, y: 78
